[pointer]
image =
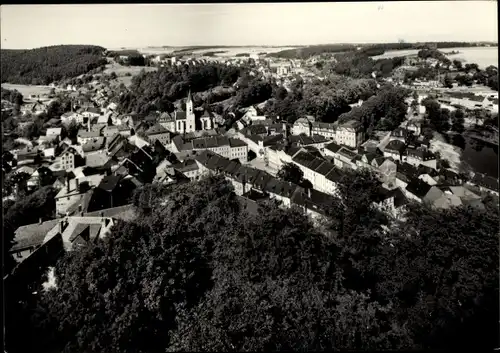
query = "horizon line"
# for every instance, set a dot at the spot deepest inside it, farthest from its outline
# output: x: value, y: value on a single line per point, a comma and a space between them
x: 262, y: 45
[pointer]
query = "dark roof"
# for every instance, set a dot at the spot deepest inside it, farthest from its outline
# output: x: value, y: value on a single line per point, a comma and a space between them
x: 395, y: 145
x: 344, y: 151
x: 420, y: 153
x: 109, y: 182
x: 485, y: 181
x: 123, y: 212
x: 236, y: 142
x: 156, y: 129
x: 418, y: 187
x: 32, y: 234
x: 407, y: 169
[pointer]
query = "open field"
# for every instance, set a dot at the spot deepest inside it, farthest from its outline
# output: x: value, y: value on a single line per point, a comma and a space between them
x: 228, y: 51
x: 483, y: 56
x: 447, y: 151
x: 27, y: 90
x: 121, y: 71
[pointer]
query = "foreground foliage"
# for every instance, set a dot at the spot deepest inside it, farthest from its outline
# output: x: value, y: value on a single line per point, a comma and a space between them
x: 196, y: 272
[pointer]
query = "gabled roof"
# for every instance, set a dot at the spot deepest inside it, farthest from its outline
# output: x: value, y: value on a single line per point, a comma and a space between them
x: 333, y: 147
x: 109, y: 182
x: 32, y: 234
x: 418, y: 187
x: 156, y: 129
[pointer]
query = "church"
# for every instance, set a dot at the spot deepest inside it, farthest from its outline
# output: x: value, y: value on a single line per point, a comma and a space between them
x: 187, y: 121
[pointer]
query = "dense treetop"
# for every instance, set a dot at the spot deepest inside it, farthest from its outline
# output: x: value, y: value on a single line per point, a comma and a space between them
x: 158, y: 90
x: 42, y: 66
x: 196, y: 272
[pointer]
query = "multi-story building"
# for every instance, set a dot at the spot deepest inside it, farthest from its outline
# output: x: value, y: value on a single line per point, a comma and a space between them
x: 322, y: 174
x: 245, y: 179
x: 227, y: 147
x: 310, y: 127
x: 74, y: 191
x: 349, y: 134
x: 158, y: 133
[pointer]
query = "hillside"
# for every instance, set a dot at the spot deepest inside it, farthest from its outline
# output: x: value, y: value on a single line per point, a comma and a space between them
x: 42, y: 66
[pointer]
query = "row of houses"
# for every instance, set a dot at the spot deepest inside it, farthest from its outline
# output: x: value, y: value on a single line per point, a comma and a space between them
x: 349, y: 134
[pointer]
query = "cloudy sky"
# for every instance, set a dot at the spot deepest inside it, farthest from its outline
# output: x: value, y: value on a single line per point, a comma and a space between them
x: 141, y: 25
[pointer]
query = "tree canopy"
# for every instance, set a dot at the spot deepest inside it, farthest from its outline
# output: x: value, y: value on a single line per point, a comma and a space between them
x: 42, y: 66
x: 198, y: 273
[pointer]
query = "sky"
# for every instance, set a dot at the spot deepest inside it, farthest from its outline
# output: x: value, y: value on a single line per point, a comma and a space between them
x: 143, y: 25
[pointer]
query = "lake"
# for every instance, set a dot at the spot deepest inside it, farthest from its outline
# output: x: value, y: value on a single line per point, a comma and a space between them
x: 482, y: 56
x: 482, y: 157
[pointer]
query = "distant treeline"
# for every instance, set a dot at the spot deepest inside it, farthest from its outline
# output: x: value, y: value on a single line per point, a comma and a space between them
x: 242, y: 54
x: 123, y: 52
x: 368, y: 49
x: 213, y: 53
x: 42, y: 66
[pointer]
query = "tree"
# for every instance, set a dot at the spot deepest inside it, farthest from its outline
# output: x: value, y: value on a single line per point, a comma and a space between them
x: 457, y: 64
x: 113, y: 76
x: 290, y: 172
x: 448, y: 82
x: 458, y: 119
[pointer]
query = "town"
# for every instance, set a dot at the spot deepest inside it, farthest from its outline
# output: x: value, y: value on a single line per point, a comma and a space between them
x: 308, y: 130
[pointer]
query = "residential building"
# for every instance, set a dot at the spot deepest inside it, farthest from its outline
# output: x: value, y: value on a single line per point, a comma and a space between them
x: 55, y: 131
x: 395, y: 150
x: 349, y: 134
x: 322, y: 174
x: 486, y: 183
x: 87, y: 136
x: 158, y: 133
x: 420, y: 156
x: 109, y: 131
x: 69, y: 159
x: 246, y: 179
x: 420, y: 191
x: 73, y: 191
x: 227, y: 147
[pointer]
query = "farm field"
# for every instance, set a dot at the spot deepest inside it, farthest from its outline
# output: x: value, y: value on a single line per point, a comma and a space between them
x: 27, y: 90
x: 228, y: 51
x: 121, y: 71
x: 483, y: 56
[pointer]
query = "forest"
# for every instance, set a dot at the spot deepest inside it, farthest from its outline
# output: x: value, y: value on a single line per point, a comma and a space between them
x: 42, y: 66
x: 200, y: 273
x: 158, y: 90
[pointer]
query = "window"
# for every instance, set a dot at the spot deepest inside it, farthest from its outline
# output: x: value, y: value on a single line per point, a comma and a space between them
x: 19, y: 255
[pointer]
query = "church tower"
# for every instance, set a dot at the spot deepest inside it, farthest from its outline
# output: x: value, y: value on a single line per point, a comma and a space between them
x: 190, y: 117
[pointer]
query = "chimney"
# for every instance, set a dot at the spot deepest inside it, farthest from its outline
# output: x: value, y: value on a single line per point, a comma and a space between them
x: 308, y: 192
x: 88, y: 124
x: 77, y: 183
x: 67, y: 184
x: 40, y: 220
x: 61, y: 227
x: 80, y: 210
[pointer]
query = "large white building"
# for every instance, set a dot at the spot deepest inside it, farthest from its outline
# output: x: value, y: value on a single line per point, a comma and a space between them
x: 229, y: 148
x: 349, y: 134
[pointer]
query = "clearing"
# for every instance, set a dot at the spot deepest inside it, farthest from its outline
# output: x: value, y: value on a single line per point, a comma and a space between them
x: 27, y: 90
x: 121, y: 71
x: 447, y: 151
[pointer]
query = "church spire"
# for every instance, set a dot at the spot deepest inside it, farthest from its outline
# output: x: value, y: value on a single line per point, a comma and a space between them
x: 189, y: 96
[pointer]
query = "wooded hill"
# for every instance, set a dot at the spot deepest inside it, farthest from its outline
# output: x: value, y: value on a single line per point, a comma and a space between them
x: 42, y: 66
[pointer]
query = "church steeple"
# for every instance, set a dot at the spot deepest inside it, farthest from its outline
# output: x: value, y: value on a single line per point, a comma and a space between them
x: 189, y: 98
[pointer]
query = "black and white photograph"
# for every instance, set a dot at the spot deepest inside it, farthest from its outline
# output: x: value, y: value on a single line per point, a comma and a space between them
x: 243, y: 177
